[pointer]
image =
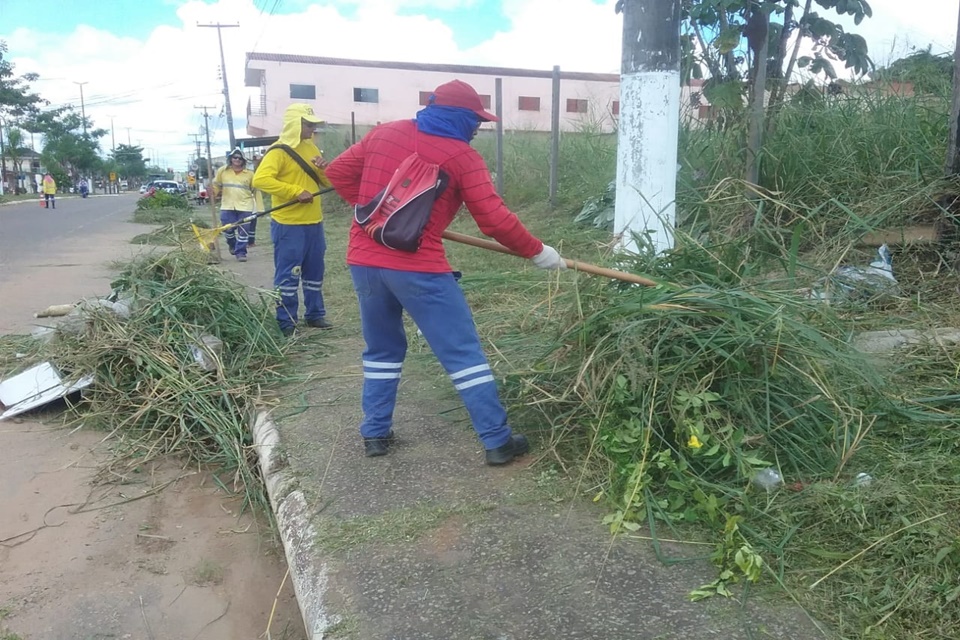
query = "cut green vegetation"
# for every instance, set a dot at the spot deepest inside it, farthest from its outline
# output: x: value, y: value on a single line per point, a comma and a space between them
x: 174, y: 229
x: 181, y: 374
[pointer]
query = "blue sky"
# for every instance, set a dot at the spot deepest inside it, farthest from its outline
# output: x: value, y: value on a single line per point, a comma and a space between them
x: 147, y: 66
x: 471, y: 25
x: 136, y: 18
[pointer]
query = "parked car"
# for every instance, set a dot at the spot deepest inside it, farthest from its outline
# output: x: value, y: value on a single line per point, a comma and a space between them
x: 167, y: 185
x: 124, y: 184
x: 145, y: 187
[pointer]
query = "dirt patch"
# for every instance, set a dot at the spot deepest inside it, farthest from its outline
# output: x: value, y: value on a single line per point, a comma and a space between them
x: 162, y: 555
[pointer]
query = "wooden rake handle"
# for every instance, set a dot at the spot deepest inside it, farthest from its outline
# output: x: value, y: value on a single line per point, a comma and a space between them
x: 490, y: 245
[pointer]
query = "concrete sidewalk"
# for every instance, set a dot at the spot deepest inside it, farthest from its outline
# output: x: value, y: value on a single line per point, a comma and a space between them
x: 428, y: 543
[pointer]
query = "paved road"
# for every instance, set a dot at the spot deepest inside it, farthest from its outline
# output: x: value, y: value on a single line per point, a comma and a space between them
x: 58, y: 256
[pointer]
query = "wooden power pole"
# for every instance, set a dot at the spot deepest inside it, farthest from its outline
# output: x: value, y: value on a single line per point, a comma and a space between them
x: 223, y: 73
x: 952, y: 166
x: 649, y: 125
x: 213, y: 207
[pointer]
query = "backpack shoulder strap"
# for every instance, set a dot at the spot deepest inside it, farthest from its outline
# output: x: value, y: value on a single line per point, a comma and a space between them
x: 300, y: 161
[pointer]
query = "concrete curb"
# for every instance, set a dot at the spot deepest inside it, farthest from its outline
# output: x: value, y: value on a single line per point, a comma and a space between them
x: 310, y: 577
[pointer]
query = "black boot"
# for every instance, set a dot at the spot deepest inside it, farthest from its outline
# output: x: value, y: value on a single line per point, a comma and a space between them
x: 376, y: 447
x: 515, y: 447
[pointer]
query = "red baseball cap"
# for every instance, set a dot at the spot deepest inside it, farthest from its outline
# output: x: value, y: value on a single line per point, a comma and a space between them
x: 457, y: 93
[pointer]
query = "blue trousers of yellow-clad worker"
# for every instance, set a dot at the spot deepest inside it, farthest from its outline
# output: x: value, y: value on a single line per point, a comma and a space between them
x: 298, y: 255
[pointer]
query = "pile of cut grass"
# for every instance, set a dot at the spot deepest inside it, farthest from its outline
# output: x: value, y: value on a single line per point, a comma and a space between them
x: 175, y: 226
x: 162, y: 385
x: 671, y: 399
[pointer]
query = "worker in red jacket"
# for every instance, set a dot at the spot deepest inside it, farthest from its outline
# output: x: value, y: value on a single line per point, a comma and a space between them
x: 388, y: 281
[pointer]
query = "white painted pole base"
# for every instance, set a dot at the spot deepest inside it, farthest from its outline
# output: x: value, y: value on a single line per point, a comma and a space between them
x: 647, y: 159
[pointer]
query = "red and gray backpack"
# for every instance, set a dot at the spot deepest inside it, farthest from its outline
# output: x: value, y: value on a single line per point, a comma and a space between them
x: 397, y: 216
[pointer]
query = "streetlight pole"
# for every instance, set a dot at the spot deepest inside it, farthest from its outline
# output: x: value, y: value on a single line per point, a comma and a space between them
x: 83, y: 111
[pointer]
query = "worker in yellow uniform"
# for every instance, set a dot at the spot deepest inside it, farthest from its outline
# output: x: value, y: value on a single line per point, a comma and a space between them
x: 49, y: 192
x: 233, y: 186
x: 293, y: 169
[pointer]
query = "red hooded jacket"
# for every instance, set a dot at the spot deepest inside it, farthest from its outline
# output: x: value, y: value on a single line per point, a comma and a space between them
x: 364, y: 169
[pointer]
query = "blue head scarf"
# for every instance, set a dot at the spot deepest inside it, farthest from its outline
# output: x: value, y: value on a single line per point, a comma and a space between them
x: 447, y: 122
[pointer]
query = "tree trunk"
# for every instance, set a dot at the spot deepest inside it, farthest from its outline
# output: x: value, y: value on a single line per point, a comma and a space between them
x: 777, y: 95
x: 755, y: 133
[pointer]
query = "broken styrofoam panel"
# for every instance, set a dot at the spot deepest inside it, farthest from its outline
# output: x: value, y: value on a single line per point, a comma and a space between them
x: 35, y: 387
x: 889, y: 340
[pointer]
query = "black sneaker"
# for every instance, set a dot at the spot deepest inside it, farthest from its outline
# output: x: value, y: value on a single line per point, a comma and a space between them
x: 319, y: 323
x: 516, y: 446
x: 287, y: 331
x: 376, y: 447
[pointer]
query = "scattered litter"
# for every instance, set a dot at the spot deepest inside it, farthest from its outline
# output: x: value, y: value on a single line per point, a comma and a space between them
x: 42, y: 333
x: 768, y: 479
x: 122, y: 309
x: 55, y: 311
x: 863, y: 480
x: 36, y: 387
x: 848, y: 283
x: 207, y: 353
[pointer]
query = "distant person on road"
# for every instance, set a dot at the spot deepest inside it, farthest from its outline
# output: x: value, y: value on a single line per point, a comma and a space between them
x: 389, y: 281
x: 233, y: 186
x: 292, y: 170
x: 49, y: 192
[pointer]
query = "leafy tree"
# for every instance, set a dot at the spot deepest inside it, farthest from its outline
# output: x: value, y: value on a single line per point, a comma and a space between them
x: 16, y: 99
x: 65, y: 146
x: 728, y: 39
x: 130, y: 161
x: 17, y: 150
x: 745, y: 48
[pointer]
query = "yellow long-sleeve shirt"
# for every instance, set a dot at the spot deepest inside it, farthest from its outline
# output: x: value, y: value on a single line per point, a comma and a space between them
x: 284, y: 179
x: 235, y: 189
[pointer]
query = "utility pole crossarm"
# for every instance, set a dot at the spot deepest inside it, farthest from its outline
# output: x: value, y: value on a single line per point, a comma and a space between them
x: 223, y: 72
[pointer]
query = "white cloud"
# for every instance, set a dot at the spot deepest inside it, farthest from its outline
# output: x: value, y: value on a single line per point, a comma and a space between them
x: 153, y: 85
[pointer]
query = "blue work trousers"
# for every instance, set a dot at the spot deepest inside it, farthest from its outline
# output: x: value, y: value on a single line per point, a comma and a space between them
x: 437, y: 305
x: 237, y: 237
x: 298, y: 254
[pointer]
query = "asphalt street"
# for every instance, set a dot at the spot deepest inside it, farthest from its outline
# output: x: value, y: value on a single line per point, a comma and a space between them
x: 58, y: 256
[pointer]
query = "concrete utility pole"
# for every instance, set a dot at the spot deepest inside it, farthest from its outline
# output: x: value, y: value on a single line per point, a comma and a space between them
x: 223, y: 72
x: 952, y: 166
x: 83, y: 110
x: 196, y: 138
x: 113, y: 137
x: 649, y: 123
x: 554, y: 136
x: 213, y: 208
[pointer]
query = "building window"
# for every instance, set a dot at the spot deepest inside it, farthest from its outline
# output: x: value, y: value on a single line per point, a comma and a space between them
x: 616, y: 107
x: 303, y: 92
x: 366, y: 95
x: 529, y: 104
x: 575, y: 105
x: 485, y: 101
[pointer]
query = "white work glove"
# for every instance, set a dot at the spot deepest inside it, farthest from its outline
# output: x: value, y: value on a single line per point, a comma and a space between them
x: 549, y: 258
